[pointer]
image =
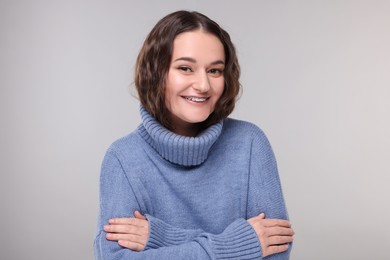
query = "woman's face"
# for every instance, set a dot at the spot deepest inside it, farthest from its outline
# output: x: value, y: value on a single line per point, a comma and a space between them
x: 195, y: 79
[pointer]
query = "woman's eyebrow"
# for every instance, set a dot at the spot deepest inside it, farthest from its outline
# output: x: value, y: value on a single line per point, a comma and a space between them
x: 186, y: 59
x: 218, y: 62
x: 189, y: 59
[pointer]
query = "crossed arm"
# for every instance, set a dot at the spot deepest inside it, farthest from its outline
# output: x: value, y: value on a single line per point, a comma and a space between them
x: 132, y: 233
x: 146, y: 237
x: 117, y: 199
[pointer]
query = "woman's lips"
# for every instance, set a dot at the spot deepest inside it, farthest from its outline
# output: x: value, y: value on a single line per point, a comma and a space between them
x: 196, y: 99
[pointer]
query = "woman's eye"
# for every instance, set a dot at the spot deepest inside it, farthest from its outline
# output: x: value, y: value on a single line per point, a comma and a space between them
x: 215, y: 71
x: 185, y: 69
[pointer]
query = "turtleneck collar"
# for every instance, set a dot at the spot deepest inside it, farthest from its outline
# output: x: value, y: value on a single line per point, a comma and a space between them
x: 178, y: 149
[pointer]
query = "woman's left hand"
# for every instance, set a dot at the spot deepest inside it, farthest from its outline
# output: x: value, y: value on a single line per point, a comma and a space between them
x: 131, y: 233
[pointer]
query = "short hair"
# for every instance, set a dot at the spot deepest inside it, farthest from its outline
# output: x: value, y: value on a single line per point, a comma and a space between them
x: 154, y: 60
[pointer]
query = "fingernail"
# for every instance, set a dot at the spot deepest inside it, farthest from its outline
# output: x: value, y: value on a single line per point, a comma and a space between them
x: 106, y: 227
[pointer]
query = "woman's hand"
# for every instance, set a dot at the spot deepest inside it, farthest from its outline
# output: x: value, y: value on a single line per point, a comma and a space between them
x: 274, y: 234
x: 131, y: 233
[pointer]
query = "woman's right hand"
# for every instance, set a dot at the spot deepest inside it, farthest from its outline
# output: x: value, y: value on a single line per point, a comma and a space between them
x: 131, y: 233
x: 274, y: 234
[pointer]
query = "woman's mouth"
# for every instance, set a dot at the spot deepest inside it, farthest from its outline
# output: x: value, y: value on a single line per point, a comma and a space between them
x: 196, y: 99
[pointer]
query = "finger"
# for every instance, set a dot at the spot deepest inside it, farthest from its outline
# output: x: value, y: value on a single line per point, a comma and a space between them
x: 127, y: 237
x: 275, y: 249
x: 131, y: 245
x: 138, y: 215
x: 256, y: 218
x: 125, y: 229
x: 276, y: 222
x: 127, y: 221
x: 279, y: 240
x: 279, y: 231
x: 260, y: 216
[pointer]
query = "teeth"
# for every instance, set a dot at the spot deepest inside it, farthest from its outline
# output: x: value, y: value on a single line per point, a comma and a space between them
x: 197, y: 99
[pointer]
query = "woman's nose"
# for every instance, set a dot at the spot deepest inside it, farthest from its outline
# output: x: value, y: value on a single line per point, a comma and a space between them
x: 202, y: 83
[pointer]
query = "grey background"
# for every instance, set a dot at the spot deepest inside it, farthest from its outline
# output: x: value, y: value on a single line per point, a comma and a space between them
x: 315, y: 76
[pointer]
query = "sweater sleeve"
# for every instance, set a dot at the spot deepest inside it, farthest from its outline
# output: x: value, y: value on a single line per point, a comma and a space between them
x: 265, y: 191
x: 117, y: 199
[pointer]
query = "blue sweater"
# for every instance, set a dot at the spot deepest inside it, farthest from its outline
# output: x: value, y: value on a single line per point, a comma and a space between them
x: 197, y: 192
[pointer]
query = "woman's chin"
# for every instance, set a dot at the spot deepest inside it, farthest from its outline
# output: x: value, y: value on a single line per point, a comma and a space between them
x: 197, y: 120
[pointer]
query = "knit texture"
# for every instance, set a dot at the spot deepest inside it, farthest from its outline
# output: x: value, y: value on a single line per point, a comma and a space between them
x: 182, y: 150
x: 196, y: 192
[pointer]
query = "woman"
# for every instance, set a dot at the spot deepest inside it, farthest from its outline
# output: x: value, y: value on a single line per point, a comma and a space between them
x: 190, y: 183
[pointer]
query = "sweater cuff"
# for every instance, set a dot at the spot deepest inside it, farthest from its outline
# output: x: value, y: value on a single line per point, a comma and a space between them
x: 162, y: 234
x: 238, y: 241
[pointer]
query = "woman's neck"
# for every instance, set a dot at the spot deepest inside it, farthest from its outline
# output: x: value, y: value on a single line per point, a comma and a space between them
x: 181, y: 127
x: 186, y: 129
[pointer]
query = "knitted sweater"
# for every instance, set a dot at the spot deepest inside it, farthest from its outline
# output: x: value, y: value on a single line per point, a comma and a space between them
x: 196, y: 192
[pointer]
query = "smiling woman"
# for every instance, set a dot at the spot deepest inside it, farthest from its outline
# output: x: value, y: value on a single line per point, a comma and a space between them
x: 189, y: 182
x: 195, y: 80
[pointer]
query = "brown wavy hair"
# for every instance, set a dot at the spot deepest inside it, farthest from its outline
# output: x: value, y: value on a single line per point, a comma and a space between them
x: 154, y: 60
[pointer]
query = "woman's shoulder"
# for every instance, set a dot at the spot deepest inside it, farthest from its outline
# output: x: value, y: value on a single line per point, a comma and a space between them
x: 245, y: 133
x: 128, y: 144
x: 241, y: 127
